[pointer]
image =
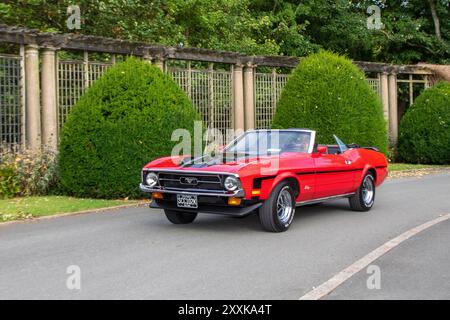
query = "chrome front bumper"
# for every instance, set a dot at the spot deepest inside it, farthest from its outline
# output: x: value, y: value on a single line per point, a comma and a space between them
x: 197, y: 192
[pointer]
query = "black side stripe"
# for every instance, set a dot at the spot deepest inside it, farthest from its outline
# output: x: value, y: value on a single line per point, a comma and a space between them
x: 258, y: 181
x: 329, y: 171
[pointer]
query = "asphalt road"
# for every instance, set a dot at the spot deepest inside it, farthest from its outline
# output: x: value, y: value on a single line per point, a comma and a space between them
x: 137, y: 253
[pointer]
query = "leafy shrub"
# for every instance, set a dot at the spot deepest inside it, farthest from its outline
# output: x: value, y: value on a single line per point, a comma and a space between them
x: 9, y: 184
x: 123, y: 121
x: 424, y: 135
x: 27, y: 173
x: 329, y: 94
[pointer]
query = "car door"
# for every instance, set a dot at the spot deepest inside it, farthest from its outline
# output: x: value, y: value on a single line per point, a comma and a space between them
x: 335, y: 173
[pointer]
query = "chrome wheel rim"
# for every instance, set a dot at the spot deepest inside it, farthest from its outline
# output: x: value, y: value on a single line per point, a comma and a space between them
x: 367, y: 190
x: 284, y: 205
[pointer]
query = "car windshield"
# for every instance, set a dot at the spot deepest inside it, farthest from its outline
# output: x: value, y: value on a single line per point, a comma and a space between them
x: 342, y: 146
x: 265, y: 142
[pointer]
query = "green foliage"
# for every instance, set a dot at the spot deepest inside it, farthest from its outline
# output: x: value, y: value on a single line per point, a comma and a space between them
x: 425, y: 127
x: 9, y: 184
x: 27, y: 173
x: 329, y: 94
x: 256, y: 26
x: 123, y: 121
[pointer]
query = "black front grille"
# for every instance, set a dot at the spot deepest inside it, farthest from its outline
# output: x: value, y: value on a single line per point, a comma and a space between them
x: 190, y: 181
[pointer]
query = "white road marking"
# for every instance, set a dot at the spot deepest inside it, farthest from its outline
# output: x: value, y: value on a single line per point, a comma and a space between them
x: 335, y: 281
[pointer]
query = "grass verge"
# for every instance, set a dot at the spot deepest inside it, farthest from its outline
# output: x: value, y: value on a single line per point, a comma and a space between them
x: 33, y: 207
x: 409, y: 166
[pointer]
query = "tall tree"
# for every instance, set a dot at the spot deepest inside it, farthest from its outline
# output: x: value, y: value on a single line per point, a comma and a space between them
x: 434, y: 14
x: 413, y: 30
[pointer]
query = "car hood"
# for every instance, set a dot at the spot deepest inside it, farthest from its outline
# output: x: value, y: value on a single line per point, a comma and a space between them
x: 241, y: 166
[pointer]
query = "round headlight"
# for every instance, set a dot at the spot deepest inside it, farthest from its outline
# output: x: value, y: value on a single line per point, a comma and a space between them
x: 231, y: 183
x: 151, y: 179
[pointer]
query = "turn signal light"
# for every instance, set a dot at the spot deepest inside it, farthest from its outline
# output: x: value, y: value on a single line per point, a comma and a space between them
x: 256, y: 192
x: 233, y: 201
x: 157, y: 195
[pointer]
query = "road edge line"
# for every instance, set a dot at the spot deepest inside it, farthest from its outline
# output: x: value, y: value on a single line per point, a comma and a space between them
x: 331, y: 284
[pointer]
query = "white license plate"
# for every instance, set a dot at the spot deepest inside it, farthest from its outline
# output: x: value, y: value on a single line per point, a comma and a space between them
x: 187, y: 201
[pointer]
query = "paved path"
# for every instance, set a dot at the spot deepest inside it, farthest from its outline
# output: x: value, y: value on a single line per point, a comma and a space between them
x: 137, y: 253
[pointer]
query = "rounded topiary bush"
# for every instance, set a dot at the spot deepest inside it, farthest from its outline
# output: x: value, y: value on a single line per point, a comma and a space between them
x: 123, y: 121
x: 425, y: 128
x: 329, y: 94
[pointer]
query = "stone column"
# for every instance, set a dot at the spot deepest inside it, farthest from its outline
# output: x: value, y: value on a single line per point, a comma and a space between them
x: 393, y: 108
x: 86, y: 70
x: 49, y: 105
x: 249, y: 98
x: 159, y: 62
x: 238, y: 93
x: 147, y: 58
x: 32, y: 109
x: 385, y: 94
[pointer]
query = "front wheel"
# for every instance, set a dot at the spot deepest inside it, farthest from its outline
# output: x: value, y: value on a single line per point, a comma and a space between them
x: 179, y: 217
x: 364, y: 197
x: 277, y: 212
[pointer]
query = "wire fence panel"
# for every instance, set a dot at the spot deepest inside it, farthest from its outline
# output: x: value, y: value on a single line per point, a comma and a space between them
x: 74, y: 77
x: 375, y: 85
x: 11, y: 107
x: 210, y: 91
x: 71, y: 85
x: 268, y: 88
x: 199, y: 93
x: 96, y: 70
x: 211, y: 94
x: 222, y: 101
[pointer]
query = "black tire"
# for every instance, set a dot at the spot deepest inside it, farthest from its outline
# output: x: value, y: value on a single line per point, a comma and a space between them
x: 359, y: 202
x: 179, y: 217
x: 268, y: 215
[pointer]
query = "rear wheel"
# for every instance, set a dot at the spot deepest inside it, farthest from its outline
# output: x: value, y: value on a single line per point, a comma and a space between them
x: 277, y: 212
x: 179, y: 217
x: 364, y: 197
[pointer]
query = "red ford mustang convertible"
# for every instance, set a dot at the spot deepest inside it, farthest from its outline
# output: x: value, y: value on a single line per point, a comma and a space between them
x: 268, y: 172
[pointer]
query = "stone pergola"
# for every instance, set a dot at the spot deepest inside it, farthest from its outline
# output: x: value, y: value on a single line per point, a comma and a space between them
x: 40, y: 80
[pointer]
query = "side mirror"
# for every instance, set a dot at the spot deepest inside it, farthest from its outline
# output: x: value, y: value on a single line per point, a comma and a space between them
x: 322, y: 150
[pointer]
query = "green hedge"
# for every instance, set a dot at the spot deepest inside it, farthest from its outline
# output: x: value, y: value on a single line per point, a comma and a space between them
x: 425, y: 128
x: 123, y: 121
x: 329, y: 94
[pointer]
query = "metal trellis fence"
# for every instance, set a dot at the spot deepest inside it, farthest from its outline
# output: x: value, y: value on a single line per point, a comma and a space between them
x: 74, y: 77
x: 11, y: 104
x: 375, y: 85
x: 210, y: 92
x: 268, y: 88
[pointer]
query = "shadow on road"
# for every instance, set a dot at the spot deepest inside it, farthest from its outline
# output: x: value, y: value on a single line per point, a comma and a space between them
x: 217, y: 223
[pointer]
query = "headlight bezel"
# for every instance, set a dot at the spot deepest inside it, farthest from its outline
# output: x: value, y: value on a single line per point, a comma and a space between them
x: 154, y: 181
x: 236, y: 184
